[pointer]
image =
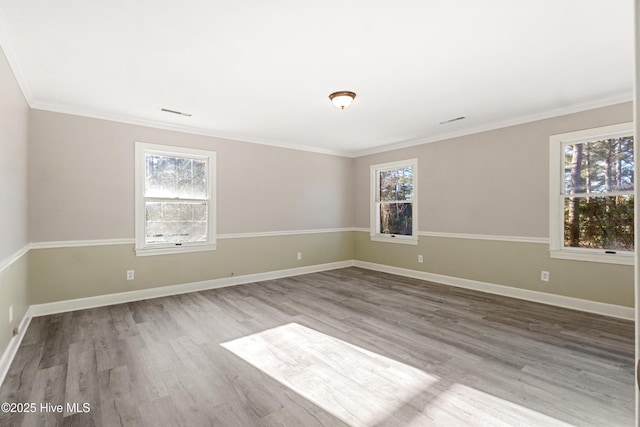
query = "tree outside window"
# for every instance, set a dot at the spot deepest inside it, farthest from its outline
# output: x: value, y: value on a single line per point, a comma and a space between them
x: 598, y: 193
x: 396, y: 195
x: 591, y: 200
x: 394, y: 201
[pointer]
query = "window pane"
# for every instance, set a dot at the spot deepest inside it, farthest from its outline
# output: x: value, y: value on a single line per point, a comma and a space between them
x: 395, y: 218
x: 171, y: 177
x: 175, y: 222
x: 396, y: 184
x: 599, y: 222
x: 599, y: 166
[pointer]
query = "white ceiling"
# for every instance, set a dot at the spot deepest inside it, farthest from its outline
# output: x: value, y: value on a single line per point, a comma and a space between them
x: 262, y: 71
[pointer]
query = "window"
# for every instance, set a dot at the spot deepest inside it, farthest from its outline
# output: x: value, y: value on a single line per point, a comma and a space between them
x: 175, y: 199
x: 394, y: 202
x: 592, y: 187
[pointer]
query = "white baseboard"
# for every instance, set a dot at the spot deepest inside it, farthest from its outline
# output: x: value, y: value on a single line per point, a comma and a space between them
x: 14, y: 344
x: 612, y: 310
x: 163, y: 291
x: 123, y: 297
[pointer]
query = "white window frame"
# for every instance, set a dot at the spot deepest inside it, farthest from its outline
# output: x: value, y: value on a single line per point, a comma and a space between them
x: 375, y: 203
x: 143, y: 249
x: 556, y: 196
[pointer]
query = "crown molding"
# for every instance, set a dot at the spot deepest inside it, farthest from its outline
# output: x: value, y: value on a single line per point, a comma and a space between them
x: 58, y: 108
x: 74, y: 111
x: 12, y: 59
x: 549, y: 114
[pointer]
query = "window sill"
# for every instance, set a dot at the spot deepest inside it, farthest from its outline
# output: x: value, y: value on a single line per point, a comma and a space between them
x: 167, y: 250
x: 405, y: 240
x: 591, y: 255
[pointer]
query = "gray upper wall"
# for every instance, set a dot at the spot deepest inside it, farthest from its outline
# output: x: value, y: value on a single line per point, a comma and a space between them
x: 81, y: 183
x: 13, y: 163
x: 494, y: 183
x: 490, y: 183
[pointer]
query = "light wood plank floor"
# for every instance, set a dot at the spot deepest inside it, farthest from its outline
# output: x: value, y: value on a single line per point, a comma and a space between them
x: 345, y: 347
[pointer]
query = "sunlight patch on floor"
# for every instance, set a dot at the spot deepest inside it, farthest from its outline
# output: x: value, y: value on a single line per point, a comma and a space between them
x: 356, y: 385
x: 478, y: 407
x: 363, y: 388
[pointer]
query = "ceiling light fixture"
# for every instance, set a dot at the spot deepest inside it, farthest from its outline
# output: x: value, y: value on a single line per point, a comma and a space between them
x: 342, y: 99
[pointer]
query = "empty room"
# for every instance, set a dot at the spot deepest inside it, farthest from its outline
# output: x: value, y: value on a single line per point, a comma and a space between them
x: 336, y: 214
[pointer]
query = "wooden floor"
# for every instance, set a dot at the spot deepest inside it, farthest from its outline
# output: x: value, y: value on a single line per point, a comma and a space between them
x: 345, y: 347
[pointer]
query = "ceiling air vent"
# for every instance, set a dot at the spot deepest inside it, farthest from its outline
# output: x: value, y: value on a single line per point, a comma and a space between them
x: 166, y: 110
x: 453, y: 120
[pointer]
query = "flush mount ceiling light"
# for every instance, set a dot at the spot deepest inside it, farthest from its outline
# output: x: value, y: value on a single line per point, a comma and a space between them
x: 342, y: 99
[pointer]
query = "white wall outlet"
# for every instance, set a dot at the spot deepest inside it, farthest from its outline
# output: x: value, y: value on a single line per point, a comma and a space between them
x: 420, y: 259
x: 299, y: 256
x: 544, y: 276
x: 131, y: 274
x: 11, y: 313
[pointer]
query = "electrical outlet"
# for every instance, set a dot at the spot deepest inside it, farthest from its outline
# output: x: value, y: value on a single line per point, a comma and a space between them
x: 420, y: 259
x: 299, y: 256
x: 11, y: 313
x: 544, y: 276
x: 131, y: 274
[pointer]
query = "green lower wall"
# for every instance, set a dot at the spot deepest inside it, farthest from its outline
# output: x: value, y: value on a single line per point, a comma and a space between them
x: 77, y: 272
x: 514, y: 264
x: 50, y: 275
x: 14, y: 291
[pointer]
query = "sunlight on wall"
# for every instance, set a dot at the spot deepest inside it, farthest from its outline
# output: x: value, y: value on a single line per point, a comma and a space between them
x: 361, y: 387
